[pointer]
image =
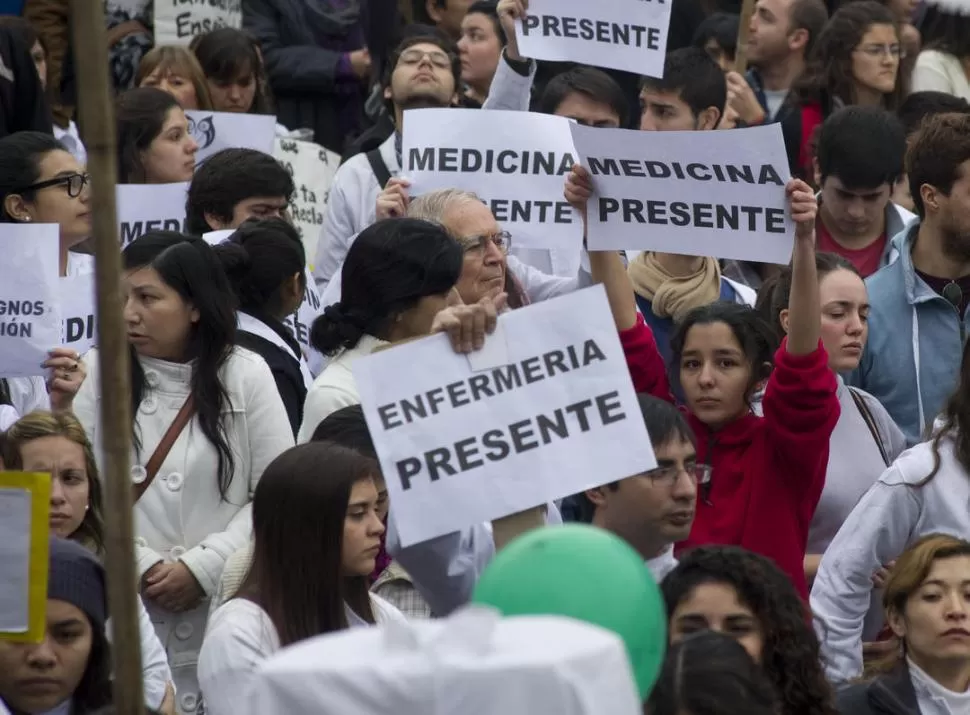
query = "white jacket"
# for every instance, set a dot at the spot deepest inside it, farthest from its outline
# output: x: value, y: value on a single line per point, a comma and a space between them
x: 352, y: 205
x: 240, y: 637
x: 891, y: 516
x: 182, y: 516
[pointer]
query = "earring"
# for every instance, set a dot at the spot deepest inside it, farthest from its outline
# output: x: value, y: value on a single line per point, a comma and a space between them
x: 28, y: 219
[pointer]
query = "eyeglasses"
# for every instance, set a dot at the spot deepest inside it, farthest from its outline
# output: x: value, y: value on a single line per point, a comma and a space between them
x: 877, y: 51
x: 502, y: 241
x: 441, y: 60
x: 667, y: 476
x: 75, y: 183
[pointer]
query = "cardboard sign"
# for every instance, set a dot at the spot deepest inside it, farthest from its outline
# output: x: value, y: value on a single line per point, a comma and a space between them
x: 215, y: 131
x: 178, y: 21
x: 78, y: 311
x: 628, y: 35
x: 545, y: 410
x: 517, y: 162
x: 313, y: 169
x: 150, y: 207
x: 718, y: 194
x: 30, y: 314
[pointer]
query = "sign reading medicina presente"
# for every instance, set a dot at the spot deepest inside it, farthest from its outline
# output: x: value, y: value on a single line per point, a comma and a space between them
x: 696, y: 193
x: 628, y: 35
x: 545, y: 410
x: 178, y: 21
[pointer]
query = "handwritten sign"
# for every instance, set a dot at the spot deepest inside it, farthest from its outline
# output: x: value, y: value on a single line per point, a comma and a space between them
x: 628, y: 35
x: 150, y: 207
x: 546, y: 410
x: 716, y: 194
x: 215, y: 131
x: 178, y: 21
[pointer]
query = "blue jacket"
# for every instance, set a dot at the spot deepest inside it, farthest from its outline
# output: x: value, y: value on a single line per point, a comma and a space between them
x: 911, y: 363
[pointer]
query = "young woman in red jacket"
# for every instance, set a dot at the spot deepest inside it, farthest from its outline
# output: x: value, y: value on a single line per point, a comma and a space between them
x: 768, y: 472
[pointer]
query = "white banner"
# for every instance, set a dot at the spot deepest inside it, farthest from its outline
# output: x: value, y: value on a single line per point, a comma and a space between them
x: 545, y: 410
x: 215, y: 131
x: 718, y: 194
x: 78, y: 310
x: 628, y: 35
x: 149, y: 207
x: 30, y: 314
x: 312, y: 168
x: 517, y: 162
x: 178, y: 21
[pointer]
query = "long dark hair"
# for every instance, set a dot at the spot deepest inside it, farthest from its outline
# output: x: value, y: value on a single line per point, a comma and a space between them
x: 299, y: 509
x: 140, y: 116
x: 790, y: 653
x: 258, y: 258
x: 390, y: 266
x: 227, y: 54
x: 828, y: 72
x: 955, y: 422
x: 94, y: 690
x: 189, y: 266
x: 20, y: 156
x: 946, y: 31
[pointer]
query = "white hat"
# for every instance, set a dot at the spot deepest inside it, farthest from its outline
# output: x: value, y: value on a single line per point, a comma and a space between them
x: 473, y: 663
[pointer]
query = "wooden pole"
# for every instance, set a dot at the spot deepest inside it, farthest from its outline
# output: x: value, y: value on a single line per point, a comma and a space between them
x: 741, y: 51
x: 96, y: 110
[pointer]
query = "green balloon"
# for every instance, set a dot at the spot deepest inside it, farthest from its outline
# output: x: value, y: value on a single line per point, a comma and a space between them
x: 585, y: 573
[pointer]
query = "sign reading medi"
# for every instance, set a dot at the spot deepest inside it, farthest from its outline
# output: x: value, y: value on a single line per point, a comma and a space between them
x: 178, y: 21
x: 546, y: 410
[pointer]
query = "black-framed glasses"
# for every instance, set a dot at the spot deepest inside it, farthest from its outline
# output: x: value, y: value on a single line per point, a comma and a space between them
x: 502, y: 241
x: 438, y: 58
x: 667, y: 476
x: 74, y: 183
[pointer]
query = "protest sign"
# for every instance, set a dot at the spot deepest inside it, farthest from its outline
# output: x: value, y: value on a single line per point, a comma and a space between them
x: 516, y: 162
x: 312, y: 168
x: 178, y: 21
x: 78, y: 303
x: 150, y: 207
x: 215, y: 131
x: 716, y: 194
x: 545, y: 410
x: 30, y: 315
x: 628, y: 35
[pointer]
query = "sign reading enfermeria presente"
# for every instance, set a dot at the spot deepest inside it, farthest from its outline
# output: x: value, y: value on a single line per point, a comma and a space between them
x: 550, y: 412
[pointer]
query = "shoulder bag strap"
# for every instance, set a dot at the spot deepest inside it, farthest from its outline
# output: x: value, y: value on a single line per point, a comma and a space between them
x: 379, y: 167
x: 870, y: 423
x: 185, y: 413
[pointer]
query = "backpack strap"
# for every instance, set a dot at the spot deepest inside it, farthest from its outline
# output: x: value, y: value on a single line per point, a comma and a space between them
x: 870, y: 423
x: 379, y: 167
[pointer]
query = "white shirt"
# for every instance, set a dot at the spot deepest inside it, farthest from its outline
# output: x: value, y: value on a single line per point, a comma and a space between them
x: 660, y: 566
x: 940, y: 72
x: 933, y: 698
x: 71, y: 140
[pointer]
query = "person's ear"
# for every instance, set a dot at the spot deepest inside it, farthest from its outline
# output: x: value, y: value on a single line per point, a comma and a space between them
x: 434, y: 12
x: 709, y: 118
x: 797, y: 39
x: 387, y: 91
x: 16, y: 208
x: 816, y: 172
x: 194, y: 315
x: 783, y: 319
x: 930, y: 196
x: 597, y: 496
x: 896, y: 623
x: 215, y: 223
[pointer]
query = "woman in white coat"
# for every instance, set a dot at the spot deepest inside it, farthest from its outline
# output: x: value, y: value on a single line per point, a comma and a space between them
x: 224, y: 421
x: 925, y: 491
x: 317, y: 532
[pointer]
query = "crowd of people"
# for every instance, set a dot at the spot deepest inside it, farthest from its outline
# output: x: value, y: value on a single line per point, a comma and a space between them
x: 808, y: 520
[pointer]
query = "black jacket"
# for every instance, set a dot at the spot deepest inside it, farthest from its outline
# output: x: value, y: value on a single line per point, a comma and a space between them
x: 890, y: 694
x: 23, y: 106
x: 285, y: 368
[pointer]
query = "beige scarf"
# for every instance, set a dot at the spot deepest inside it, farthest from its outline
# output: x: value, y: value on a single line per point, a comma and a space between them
x: 673, y: 296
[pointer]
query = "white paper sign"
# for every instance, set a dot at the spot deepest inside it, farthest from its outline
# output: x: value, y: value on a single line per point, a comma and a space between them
x: 150, y: 207
x: 14, y: 559
x: 78, y: 310
x: 718, y: 194
x: 30, y: 315
x: 517, y: 162
x: 312, y: 168
x: 548, y: 410
x: 628, y: 35
x: 215, y: 131
x: 178, y: 21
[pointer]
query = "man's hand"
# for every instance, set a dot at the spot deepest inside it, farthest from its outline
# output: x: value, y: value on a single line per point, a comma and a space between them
x: 173, y: 587
x: 741, y: 99
x: 392, y: 202
x: 467, y: 325
x: 508, y: 12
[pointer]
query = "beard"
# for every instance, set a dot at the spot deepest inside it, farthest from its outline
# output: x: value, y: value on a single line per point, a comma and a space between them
x: 955, y: 240
x: 422, y: 98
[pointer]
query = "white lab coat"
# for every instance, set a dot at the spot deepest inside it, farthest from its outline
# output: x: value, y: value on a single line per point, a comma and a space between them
x: 891, y: 516
x: 352, y: 205
x: 239, y: 638
x: 182, y: 516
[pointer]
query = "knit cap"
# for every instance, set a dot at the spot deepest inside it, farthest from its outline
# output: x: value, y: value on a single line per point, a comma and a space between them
x: 77, y: 577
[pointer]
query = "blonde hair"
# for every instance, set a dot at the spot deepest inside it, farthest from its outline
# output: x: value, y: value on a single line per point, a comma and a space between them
x: 38, y: 425
x: 181, y: 61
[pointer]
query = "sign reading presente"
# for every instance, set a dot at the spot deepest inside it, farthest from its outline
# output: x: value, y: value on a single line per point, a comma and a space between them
x: 628, y: 35
x: 546, y: 410
x: 516, y: 162
x: 699, y: 193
